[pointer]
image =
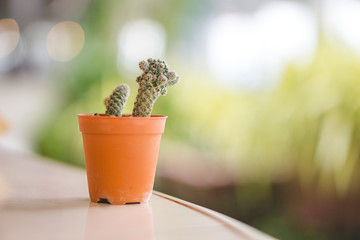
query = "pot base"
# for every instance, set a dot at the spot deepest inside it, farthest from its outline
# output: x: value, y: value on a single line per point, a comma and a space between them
x: 121, y: 200
x: 105, y: 201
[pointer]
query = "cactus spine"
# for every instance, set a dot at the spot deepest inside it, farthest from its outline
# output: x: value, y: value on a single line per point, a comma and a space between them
x: 115, y: 103
x: 152, y: 84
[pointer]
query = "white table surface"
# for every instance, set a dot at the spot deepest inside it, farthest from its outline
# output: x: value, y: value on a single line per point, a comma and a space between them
x: 44, y: 199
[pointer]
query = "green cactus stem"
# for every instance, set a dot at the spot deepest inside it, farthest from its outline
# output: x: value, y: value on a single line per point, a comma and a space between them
x: 115, y: 103
x: 152, y: 84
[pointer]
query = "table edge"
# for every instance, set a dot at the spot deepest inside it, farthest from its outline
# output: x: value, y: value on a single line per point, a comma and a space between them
x: 232, y: 224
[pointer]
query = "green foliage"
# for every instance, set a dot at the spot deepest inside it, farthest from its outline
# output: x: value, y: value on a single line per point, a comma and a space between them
x: 115, y: 103
x: 152, y: 84
x: 308, y: 128
x: 279, y: 225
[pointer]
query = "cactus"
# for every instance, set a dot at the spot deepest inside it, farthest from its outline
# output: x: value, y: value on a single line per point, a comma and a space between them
x: 152, y: 84
x: 115, y: 103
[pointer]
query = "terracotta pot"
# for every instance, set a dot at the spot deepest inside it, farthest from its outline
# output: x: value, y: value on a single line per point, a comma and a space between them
x: 121, y: 155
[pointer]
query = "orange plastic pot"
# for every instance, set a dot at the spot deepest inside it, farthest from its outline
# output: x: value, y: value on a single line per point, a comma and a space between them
x: 121, y: 155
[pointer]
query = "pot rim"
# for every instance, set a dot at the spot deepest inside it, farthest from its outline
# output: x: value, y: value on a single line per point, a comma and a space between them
x: 102, y: 124
x: 126, y: 116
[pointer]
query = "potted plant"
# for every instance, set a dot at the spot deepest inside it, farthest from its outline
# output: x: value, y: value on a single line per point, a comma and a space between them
x: 121, y: 151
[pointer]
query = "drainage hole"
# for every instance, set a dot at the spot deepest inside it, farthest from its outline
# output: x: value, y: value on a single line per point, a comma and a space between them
x: 103, y: 200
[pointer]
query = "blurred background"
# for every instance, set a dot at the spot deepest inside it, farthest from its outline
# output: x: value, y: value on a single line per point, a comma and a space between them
x: 264, y: 125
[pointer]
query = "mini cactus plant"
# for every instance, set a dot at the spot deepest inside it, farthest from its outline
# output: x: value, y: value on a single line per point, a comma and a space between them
x: 122, y: 143
x: 115, y: 103
x: 152, y: 84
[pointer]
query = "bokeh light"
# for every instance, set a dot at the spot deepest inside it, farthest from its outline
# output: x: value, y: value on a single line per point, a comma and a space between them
x: 138, y: 40
x: 340, y: 17
x: 250, y: 50
x: 9, y: 36
x: 65, y: 41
